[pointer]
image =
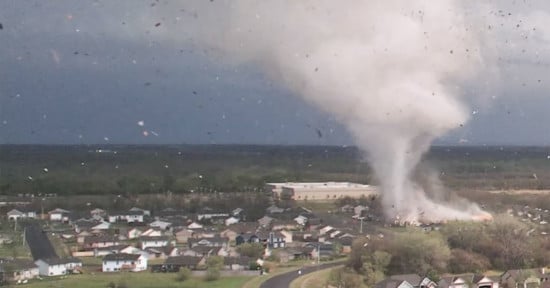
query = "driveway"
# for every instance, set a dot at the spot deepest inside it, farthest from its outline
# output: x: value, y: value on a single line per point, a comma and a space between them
x: 283, y: 280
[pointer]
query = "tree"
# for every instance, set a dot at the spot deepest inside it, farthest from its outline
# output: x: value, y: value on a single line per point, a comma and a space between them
x: 342, y: 278
x: 463, y: 261
x: 214, y: 264
x: 418, y: 252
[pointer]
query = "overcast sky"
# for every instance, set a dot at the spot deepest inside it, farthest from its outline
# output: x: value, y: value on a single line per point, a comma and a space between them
x: 136, y: 72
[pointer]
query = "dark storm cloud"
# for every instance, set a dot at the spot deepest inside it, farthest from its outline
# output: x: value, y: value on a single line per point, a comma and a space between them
x: 83, y: 71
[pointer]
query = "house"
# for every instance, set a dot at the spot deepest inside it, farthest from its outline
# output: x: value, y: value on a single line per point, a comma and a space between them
x: 231, y: 220
x: 284, y: 225
x: 189, y: 262
x: 206, y: 251
x: 391, y: 283
x: 209, y: 242
x: 142, y: 211
x: 133, y: 233
x: 124, y: 262
x: 98, y: 214
x: 358, y: 210
x: 169, y: 212
x: 236, y: 263
x: 415, y: 280
x: 265, y: 221
x: 347, y: 208
x: 17, y: 270
x: 274, y: 210
x: 321, y: 250
x: 21, y: 213
x: 194, y: 225
x: 183, y: 235
x: 152, y: 232
x: 90, y: 224
x: 161, y: 252
x: 301, y: 220
x: 468, y: 281
x: 153, y: 241
x: 271, y: 239
x: 287, y: 235
x: 59, y: 214
x: 163, y: 225
x: 236, y: 229
x: 100, y: 241
x: 524, y: 278
x: 288, y: 254
x: 247, y: 238
x: 237, y: 212
x: 212, y: 216
x: 131, y: 217
x: 57, y: 266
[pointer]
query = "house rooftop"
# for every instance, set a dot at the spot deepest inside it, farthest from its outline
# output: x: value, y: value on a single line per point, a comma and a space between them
x: 60, y: 261
x: 121, y: 257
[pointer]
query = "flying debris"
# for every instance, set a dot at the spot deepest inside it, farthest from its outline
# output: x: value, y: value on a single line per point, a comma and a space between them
x: 141, y: 123
x: 46, y: 170
x: 319, y: 133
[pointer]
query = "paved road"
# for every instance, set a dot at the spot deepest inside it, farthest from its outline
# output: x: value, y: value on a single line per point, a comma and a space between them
x: 283, y: 280
x: 38, y: 242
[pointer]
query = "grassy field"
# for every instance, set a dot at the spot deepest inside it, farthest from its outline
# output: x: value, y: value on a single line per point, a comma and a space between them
x: 136, y: 280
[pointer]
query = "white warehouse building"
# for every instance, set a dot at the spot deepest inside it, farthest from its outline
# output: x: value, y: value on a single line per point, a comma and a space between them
x: 321, y: 190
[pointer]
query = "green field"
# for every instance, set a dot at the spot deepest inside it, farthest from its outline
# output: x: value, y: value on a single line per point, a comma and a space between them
x: 136, y: 280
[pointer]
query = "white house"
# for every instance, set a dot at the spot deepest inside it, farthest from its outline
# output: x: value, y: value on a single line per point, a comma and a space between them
x: 18, y: 270
x: 160, y: 224
x: 194, y: 225
x: 58, y: 214
x: 301, y: 220
x: 144, y: 211
x: 231, y: 221
x: 124, y: 262
x: 153, y: 241
x: 21, y: 213
x: 132, y: 216
x: 134, y: 233
x: 57, y: 266
x: 151, y: 232
x: 98, y: 214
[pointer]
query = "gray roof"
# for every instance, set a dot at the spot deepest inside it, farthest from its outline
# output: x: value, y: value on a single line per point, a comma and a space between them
x: 60, y: 261
x: 121, y: 257
x: 183, y: 260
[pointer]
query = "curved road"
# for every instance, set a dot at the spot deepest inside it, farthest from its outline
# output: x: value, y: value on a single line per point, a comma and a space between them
x: 283, y: 280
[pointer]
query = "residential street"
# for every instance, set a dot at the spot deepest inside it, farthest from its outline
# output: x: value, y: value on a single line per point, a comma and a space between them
x: 284, y: 280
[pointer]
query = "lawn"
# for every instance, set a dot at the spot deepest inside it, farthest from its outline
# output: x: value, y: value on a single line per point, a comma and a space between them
x: 136, y: 280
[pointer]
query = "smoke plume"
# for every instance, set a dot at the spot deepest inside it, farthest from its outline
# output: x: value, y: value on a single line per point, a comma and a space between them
x: 389, y: 70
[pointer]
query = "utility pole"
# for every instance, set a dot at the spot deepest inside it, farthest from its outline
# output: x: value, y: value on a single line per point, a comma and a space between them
x: 361, y: 227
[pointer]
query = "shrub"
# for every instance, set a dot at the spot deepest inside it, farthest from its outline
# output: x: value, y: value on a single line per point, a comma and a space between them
x: 212, y: 274
x: 183, y: 275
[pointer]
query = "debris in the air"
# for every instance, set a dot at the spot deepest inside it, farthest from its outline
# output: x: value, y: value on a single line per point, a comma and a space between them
x: 154, y: 133
x: 157, y: 25
x: 30, y: 178
x: 46, y: 170
x: 166, y: 166
x: 194, y: 92
x: 141, y: 123
x: 1, y: 26
x: 147, y: 83
x: 82, y: 163
x: 145, y: 133
x: 319, y: 134
x: 106, y: 138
